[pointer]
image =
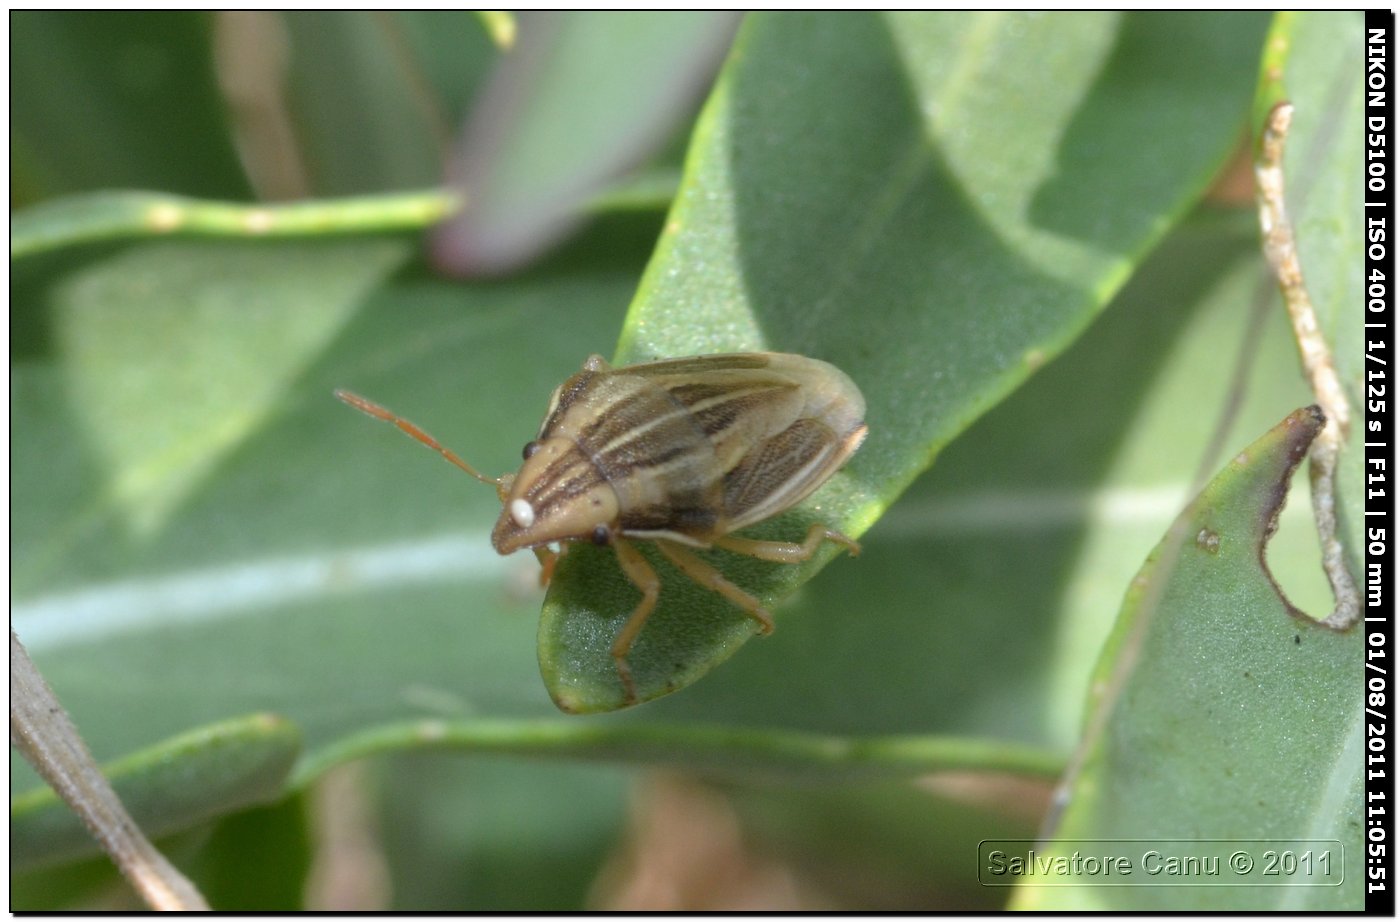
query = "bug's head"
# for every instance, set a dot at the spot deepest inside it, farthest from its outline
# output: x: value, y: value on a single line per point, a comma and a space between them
x: 558, y: 495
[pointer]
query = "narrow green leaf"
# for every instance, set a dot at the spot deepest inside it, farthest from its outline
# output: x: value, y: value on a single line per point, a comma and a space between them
x: 935, y: 203
x: 166, y: 788
x: 1220, y: 714
x: 118, y: 99
x: 448, y: 54
x: 368, y: 116
x: 580, y: 99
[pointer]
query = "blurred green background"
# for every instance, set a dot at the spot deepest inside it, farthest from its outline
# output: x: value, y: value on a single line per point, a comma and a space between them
x: 1024, y: 235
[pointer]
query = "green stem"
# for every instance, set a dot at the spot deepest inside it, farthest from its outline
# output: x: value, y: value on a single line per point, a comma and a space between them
x: 114, y: 215
x: 730, y: 751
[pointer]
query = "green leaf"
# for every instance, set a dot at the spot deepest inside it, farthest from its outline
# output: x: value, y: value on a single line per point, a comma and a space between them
x: 255, y: 860
x: 70, y: 886
x: 281, y: 306
x: 373, y: 97
x: 166, y: 788
x: 983, y: 596
x: 579, y: 100
x: 118, y: 100
x: 1220, y: 715
x: 936, y: 206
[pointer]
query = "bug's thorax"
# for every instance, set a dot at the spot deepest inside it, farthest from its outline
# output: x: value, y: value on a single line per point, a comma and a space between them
x: 558, y: 495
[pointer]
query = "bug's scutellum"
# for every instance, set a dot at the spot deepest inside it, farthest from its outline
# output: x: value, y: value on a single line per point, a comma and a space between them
x: 681, y: 452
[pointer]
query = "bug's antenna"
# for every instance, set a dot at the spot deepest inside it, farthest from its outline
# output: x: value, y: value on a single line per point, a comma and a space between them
x: 373, y: 409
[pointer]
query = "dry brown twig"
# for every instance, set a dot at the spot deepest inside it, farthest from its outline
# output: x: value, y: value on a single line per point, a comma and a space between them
x: 1281, y: 250
x: 41, y: 730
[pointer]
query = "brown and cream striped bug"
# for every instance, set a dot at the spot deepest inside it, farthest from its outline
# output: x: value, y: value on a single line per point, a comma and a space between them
x: 680, y: 452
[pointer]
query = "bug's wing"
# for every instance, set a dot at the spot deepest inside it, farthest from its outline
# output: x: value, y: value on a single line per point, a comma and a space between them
x: 596, y: 393
x: 732, y: 402
x: 780, y: 424
x: 785, y: 469
x: 702, y: 364
x: 754, y: 433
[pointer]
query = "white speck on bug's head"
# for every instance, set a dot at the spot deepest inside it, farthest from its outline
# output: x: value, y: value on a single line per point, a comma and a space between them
x: 522, y: 512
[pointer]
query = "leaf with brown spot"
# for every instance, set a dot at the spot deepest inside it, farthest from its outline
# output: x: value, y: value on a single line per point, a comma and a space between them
x: 1220, y: 711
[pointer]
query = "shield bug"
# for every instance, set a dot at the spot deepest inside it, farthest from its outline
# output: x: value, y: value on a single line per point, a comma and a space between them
x: 680, y: 452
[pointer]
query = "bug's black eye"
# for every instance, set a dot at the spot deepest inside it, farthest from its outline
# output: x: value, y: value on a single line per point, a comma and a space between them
x: 601, y: 535
x: 530, y: 449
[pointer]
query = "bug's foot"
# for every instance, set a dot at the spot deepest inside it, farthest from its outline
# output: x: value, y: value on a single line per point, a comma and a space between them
x: 549, y: 559
x: 852, y: 547
x: 629, y: 688
x: 765, y: 620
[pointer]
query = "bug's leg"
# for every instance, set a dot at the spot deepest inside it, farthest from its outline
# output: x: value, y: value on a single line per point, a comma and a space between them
x: 644, y: 578
x: 787, y: 551
x: 549, y: 559
x: 710, y: 578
